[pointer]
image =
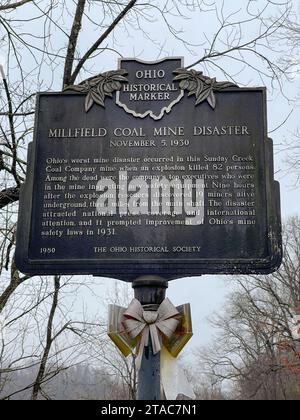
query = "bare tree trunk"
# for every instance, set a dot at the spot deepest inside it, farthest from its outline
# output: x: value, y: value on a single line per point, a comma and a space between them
x: 73, y: 42
x: 49, y: 340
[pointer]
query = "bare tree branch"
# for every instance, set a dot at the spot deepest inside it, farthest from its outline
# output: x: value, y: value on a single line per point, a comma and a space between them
x: 99, y: 42
x: 14, y: 5
x: 9, y: 196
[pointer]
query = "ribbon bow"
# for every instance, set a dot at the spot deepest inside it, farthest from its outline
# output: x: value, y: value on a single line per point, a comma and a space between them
x: 143, y: 323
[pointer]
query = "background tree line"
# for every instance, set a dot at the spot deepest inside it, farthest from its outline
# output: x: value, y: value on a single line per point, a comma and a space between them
x: 256, y: 350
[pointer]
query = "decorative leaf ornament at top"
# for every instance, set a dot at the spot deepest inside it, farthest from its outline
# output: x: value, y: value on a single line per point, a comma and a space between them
x: 97, y: 88
x: 201, y: 86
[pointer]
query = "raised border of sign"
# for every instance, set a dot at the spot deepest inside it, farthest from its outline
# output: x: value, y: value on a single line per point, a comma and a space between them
x: 165, y: 110
x: 170, y: 269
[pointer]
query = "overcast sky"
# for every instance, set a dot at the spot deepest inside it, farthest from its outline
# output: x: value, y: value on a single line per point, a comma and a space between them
x: 206, y: 294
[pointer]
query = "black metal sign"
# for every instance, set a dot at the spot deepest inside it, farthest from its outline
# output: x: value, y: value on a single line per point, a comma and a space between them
x: 150, y: 169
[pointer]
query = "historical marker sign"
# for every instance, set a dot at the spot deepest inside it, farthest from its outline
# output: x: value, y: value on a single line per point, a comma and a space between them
x: 151, y: 169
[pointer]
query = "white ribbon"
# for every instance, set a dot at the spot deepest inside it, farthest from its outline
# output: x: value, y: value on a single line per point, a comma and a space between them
x: 138, y: 322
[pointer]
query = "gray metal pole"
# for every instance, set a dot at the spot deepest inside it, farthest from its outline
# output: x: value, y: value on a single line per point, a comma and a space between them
x: 150, y: 291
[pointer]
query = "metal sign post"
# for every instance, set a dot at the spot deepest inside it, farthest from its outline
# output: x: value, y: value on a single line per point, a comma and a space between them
x: 150, y: 291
